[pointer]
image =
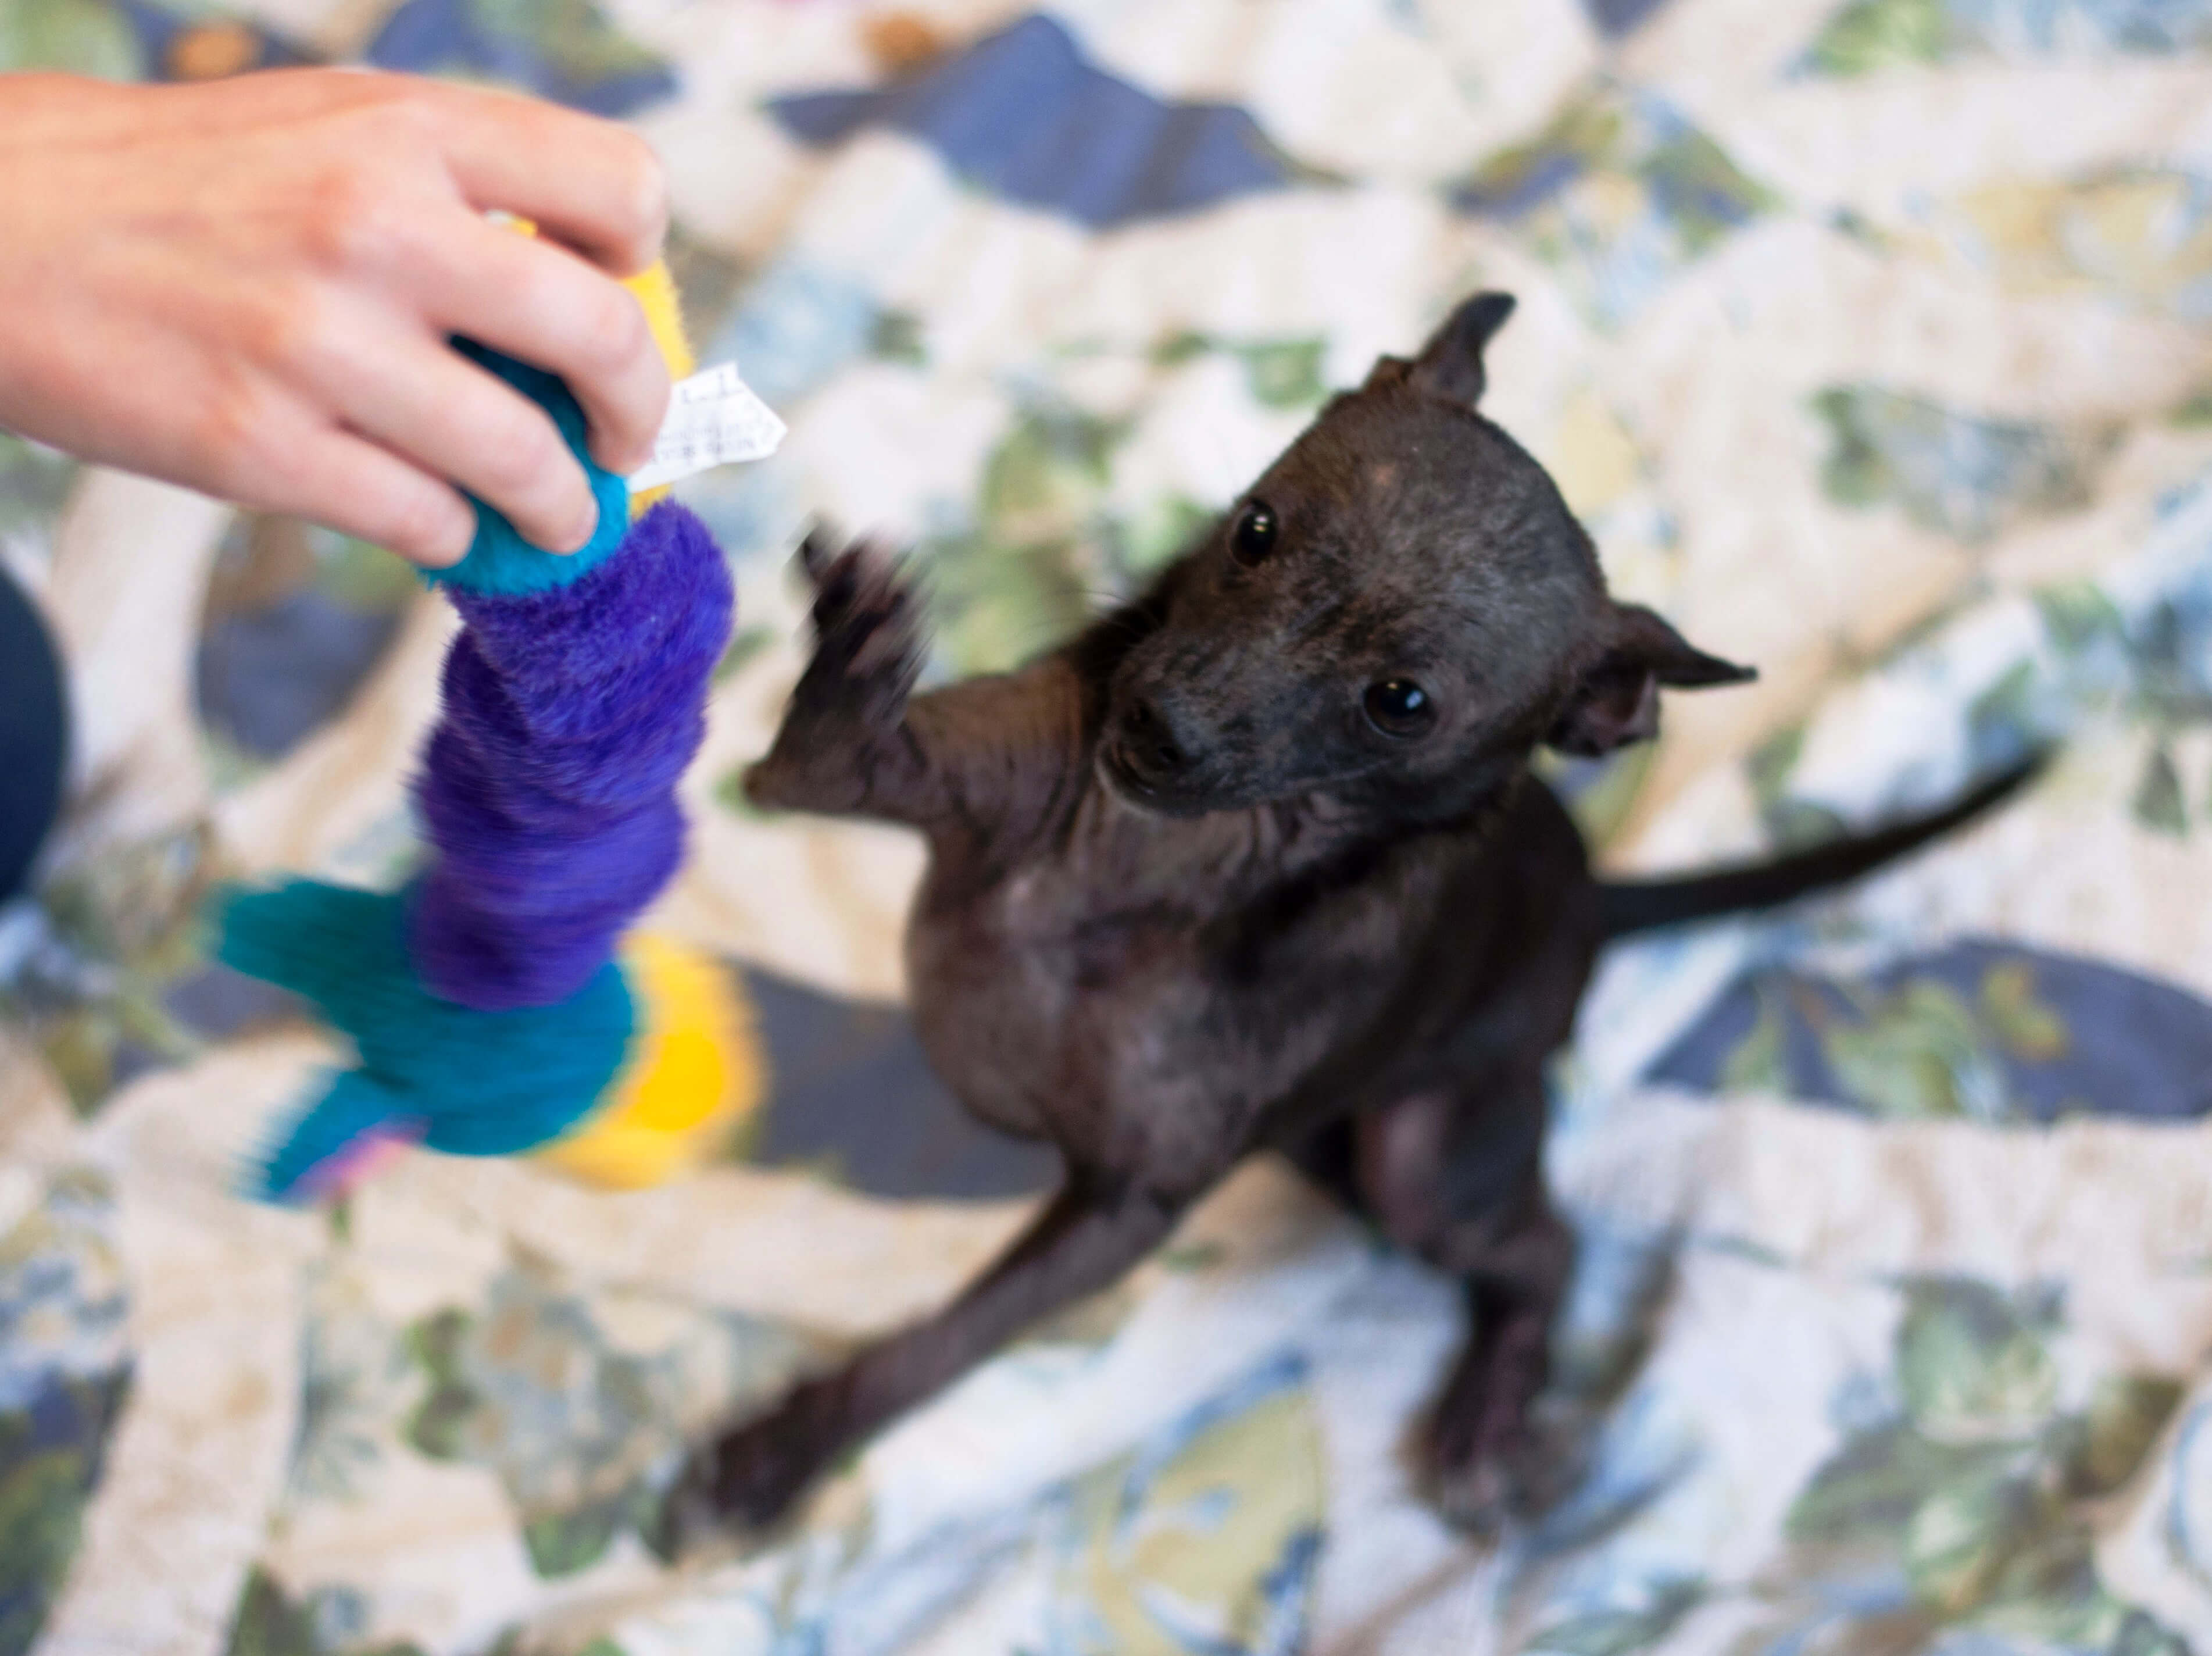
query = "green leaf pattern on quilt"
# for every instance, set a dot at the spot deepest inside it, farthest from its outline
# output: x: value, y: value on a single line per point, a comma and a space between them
x: 1973, y: 1485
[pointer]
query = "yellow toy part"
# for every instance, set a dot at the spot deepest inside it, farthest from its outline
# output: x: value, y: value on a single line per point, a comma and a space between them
x: 695, y: 1071
x: 656, y: 293
x: 664, y: 314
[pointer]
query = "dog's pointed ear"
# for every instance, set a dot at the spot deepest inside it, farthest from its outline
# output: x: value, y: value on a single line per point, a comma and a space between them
x: 1617, y: 701
x: 1450, y: 364
x: 1387, y: 371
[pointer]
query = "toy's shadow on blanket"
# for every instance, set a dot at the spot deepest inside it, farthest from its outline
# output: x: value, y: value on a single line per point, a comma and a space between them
x: 851, y: 1094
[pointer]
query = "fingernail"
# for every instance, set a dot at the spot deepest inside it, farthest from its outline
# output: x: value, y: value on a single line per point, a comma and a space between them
x: 450, y: 546
x: 623, y: 461
x: 580, y: 537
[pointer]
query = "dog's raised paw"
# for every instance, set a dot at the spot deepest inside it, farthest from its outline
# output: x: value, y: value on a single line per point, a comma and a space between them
x: 866, y: 622
x: 816, y: 552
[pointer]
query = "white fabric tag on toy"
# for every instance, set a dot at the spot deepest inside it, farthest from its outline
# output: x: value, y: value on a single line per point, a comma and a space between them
x: 713, y: 419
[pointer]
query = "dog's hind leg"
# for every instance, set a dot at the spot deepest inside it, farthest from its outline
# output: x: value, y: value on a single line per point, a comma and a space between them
x: 1479, y: 1453
x: 1453, y: 1173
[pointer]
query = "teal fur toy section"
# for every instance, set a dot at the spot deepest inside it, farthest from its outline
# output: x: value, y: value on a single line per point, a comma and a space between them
x: 460, y: 1081
x: 488, y: 1012
x: 499, y: 561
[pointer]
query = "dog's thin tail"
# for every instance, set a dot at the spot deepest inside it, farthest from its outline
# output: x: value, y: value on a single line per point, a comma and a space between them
x: 1645, y: 905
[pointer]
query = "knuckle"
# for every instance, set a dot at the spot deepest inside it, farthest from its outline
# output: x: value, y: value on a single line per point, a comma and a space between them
x: 238, y: 431
x: 359, y: 213
x: 643, y: 182
x: 419, y: 524
x: 285, y: 325
x: 522, y: 457
x: 619, y: 335
x: 404, y: 122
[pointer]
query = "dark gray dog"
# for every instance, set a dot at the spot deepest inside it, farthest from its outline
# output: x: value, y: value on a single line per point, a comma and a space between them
x: 1259, y: 861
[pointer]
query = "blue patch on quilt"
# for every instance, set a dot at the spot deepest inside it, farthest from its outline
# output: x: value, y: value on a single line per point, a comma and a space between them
x: 565, y: 51
x: 795, y: 328
x: 1618, y: 17
x: 1021, y: 113
x: 1978, y: 1030
x: 268, y: 679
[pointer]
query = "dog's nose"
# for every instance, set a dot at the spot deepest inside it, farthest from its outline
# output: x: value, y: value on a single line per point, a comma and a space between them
x: 1151, y: 741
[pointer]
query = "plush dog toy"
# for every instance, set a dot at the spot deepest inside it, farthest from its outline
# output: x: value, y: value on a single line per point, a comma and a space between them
x: 495, y: 1003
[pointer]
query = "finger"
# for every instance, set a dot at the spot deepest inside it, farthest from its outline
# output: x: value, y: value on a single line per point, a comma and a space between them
x: 346, y: 482
x: 209, y: 422
x: 589, y: 184
x: 433, y: 407
x: 542, y: 305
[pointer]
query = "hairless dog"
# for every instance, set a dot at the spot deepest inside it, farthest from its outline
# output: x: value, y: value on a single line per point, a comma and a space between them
x: 1259, y: 861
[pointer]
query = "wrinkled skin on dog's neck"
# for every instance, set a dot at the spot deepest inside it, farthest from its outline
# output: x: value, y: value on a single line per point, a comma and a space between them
x: 1255, y: 861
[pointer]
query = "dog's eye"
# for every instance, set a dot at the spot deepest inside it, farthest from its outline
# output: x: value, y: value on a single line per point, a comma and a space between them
x: 1399, y: 707
x: 1254, y: 537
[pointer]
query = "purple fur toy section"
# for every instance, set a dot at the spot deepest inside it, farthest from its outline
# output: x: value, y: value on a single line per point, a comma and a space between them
x: 548, y: 788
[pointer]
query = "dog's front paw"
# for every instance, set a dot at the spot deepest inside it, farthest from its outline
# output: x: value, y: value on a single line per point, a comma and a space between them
x: 839, y: 745
x: 751, y: 1477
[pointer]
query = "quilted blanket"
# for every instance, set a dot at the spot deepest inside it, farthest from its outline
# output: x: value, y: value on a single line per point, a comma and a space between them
x: 1872, y: 339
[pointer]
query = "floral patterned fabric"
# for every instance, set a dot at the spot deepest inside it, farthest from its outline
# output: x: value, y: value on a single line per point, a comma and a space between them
x: 1869, y: 337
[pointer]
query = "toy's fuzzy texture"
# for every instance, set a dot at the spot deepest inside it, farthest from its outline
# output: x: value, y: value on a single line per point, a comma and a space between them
x: 549, y: 786
x: 474, y: 1083
x: 489, y: 1013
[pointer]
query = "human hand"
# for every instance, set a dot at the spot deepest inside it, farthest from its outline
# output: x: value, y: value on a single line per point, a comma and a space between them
x: 247, y: 287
